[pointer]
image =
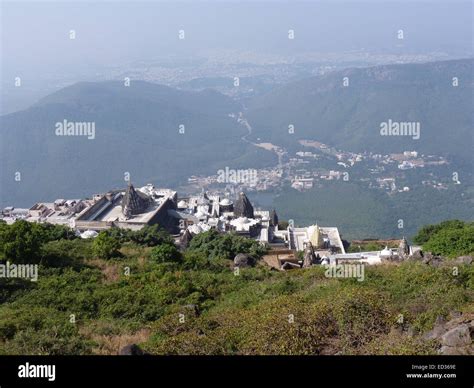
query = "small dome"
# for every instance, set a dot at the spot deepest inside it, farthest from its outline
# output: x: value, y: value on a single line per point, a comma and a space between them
x: 195, y: 229
x: 243, y: 220
x: 182, y: 204
x: 225, y: 202
x: 89, y: 234
x: 199, y: 214
x: 386, y: 252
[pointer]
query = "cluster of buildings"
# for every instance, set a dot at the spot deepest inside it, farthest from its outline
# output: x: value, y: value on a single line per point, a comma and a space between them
x: 134, y: 208
x: 309, y: 173
x: 308, y: 169
x: 127, y: 208
x: 196, y: 214
x: 402, y: 252
x: 317, y: 251
x: 306, y: 180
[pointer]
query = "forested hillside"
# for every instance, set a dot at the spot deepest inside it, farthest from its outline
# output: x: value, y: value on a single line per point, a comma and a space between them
x: 345, y: 108
x: 155, y: 133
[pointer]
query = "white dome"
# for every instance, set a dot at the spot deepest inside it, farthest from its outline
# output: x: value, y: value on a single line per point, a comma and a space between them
x: 182, y: 204
x: 225, y: 202
x: 243, y: 223
x: 386, y: 252
x: 202, y: 211
x: 243, y: 220
x: 195, y: 229
x: 89, y: 234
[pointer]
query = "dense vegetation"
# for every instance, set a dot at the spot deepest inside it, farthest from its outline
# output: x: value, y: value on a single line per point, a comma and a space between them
x: 362, y: 213
x: 449, y: 238
x: 194, y: 302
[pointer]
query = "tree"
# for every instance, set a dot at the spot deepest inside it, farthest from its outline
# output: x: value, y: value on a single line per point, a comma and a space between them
x: 448, y: 238
x: 165, y: 253
x: 150, y: 235
x: 21, y: 242
x: 427, y: 231
x: 53, y: 232
x: 225, y: 246
x: 105, y: 246
x: 452, y: 242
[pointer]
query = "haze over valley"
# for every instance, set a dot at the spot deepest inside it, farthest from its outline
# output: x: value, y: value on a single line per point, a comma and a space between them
x: 297, y: 100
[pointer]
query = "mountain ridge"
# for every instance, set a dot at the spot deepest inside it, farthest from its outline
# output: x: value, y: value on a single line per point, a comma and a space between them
x: 140, y: 136
x: 349, y: 117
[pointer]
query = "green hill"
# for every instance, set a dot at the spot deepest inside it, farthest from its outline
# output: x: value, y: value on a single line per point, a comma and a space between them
x: 136, y: 131
x: 349, y: 117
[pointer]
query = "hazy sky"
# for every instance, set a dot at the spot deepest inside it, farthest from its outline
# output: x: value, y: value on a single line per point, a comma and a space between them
x: 35, y: 35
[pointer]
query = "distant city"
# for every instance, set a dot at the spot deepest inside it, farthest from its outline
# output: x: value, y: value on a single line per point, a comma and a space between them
x: 316, y: 163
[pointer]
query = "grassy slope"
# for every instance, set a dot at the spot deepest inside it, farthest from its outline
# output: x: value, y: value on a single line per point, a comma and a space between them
x: 245, y: 314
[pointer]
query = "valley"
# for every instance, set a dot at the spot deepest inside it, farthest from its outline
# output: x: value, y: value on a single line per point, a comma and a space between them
x: 317, y: 140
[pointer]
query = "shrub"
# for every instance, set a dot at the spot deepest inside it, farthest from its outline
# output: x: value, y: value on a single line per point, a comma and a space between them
x: 40, y: 331
x: 21, y: 242
x: 165, y: 253
x: 361, y: 315
x: 105, y: 246
x: 215, y: 245
x: 397, y: 344
x: 427, y: 231
x: 150, y: 235
x: 70, y: 253
x: 449, y: 238
x: 452, y: 242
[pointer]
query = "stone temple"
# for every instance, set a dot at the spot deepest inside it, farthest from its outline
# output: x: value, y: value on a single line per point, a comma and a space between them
x: 243, y: 207
x: 134, y: 202
x: 134, y: 208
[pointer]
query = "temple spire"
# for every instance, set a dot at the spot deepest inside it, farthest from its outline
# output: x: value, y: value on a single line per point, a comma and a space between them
x: 273, y: 218
x: 134, y: 202
x: 243, y: 207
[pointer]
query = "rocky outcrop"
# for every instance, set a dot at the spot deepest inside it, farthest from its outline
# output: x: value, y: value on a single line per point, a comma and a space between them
x: 287, y: 265
x: 243, y: 260
x: 464, y: 260
x: 192, y: 309
x: 454, y: 337
x: 436, y: 261
x: 185, y: 239
x: 417, y: 255
x: 131, y: 350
